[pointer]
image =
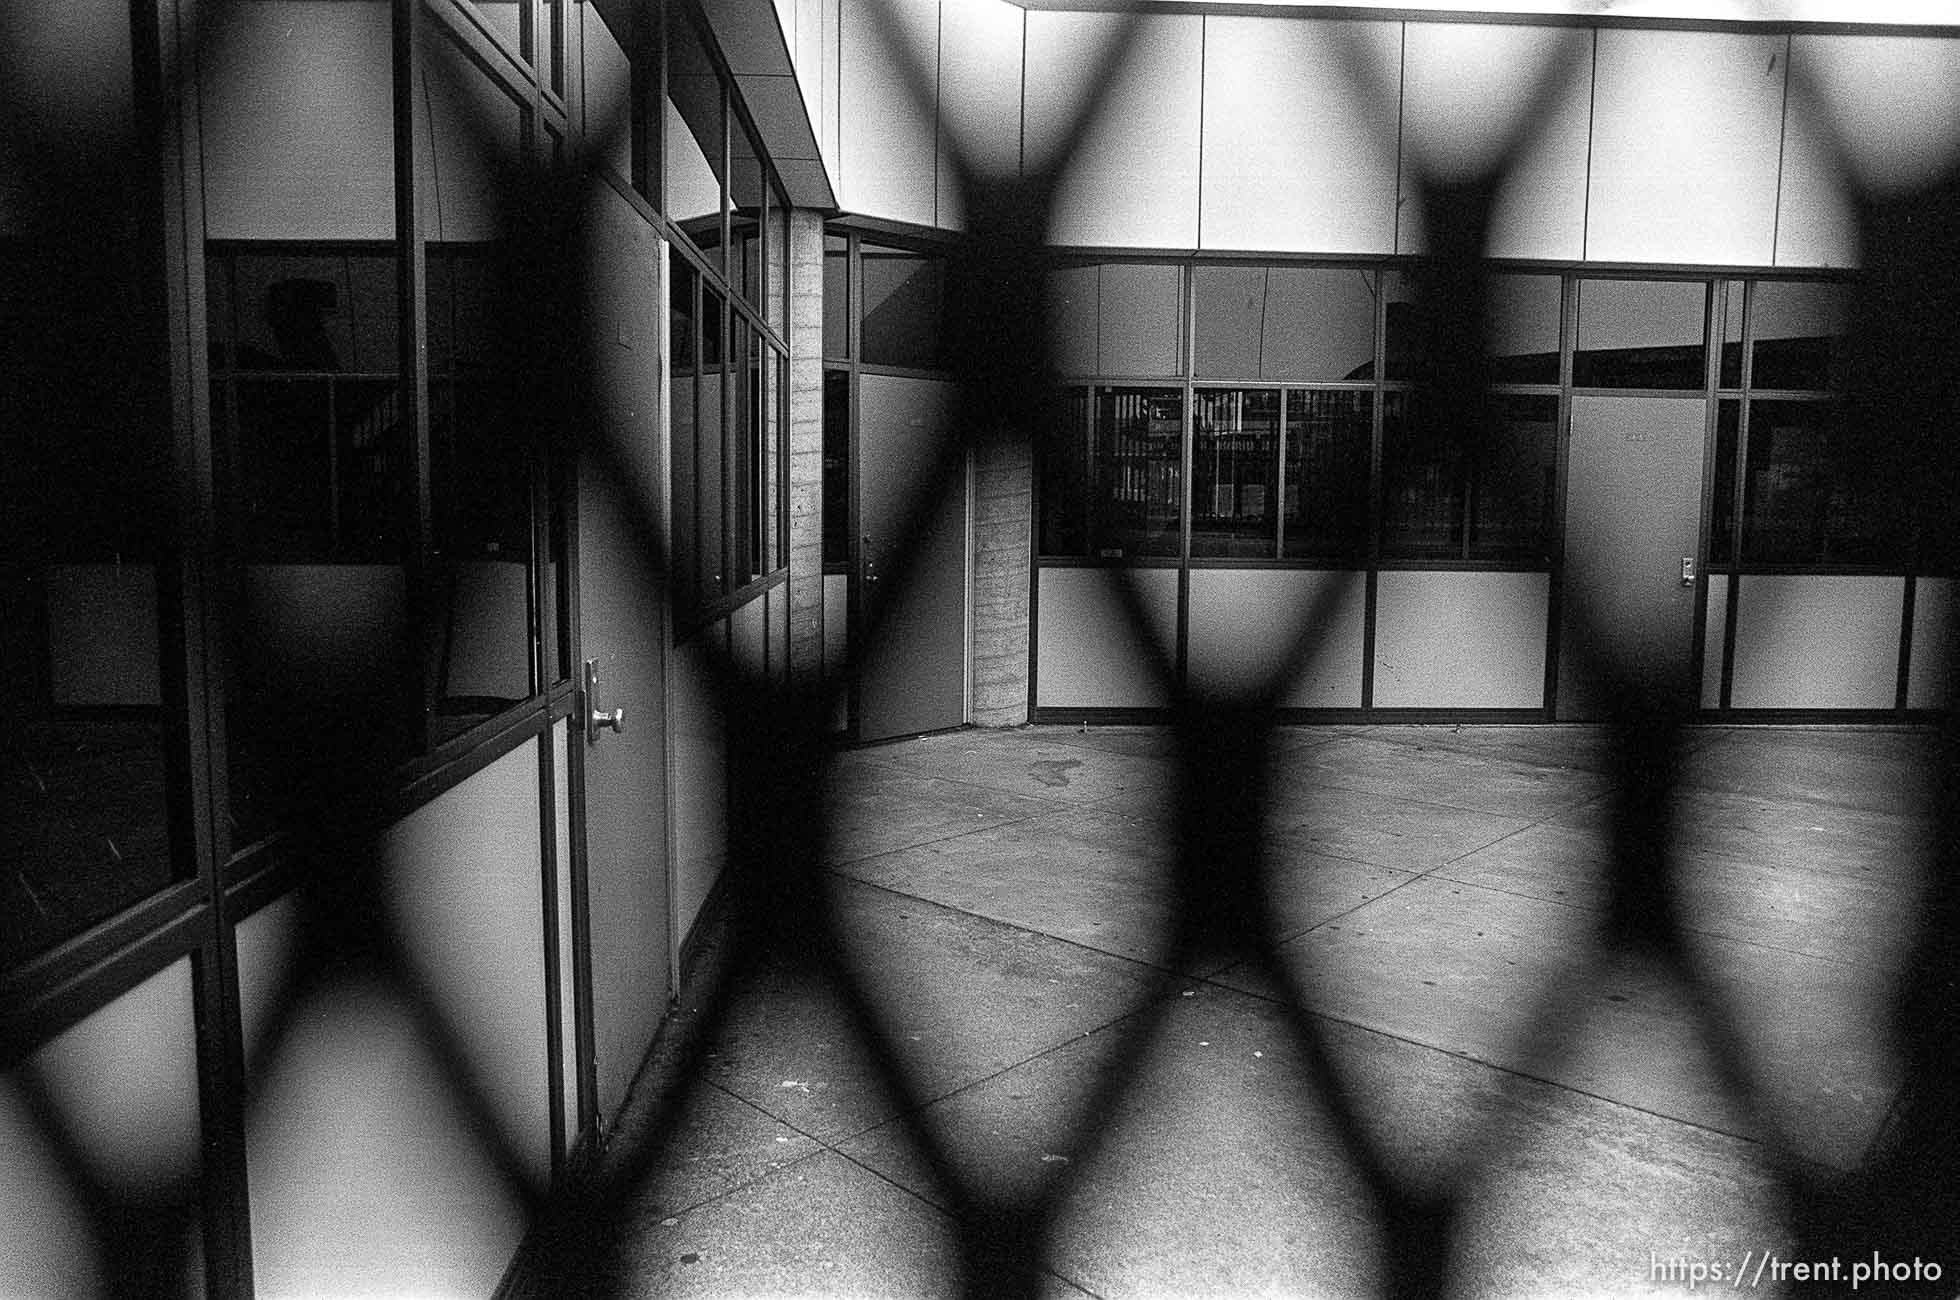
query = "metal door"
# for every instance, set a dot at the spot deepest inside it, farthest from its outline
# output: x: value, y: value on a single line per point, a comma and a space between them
x: 622, y: 629
x: 913, y: 678
x: 1632, y: 544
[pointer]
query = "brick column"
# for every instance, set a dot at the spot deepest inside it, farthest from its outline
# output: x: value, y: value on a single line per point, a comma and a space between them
x: 805, y: 444
x: 1003, y: 506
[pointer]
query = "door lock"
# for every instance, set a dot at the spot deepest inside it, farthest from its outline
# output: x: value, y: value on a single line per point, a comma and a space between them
x: 1687, y: 570
x: 596, y: 718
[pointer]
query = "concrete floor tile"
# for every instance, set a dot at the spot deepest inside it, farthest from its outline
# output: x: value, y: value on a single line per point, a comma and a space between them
x: 1386, y: 830
x: 1872, y: 769
x: 958, y: 998
x: 874, y: 808
x: 1482, y: 974
x: 1093, y: 877
x: 721, y: 1143
x: 1305, y: 889
x: 1029, y: 763
x: 1212, y: 1174
x: 1447, y: 777
x: 821, y: 1227
x: 1565, y: 745
x: 1887, y: 847
x: 1140, y: 741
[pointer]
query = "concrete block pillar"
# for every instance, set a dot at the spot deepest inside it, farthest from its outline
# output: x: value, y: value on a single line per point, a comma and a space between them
x: 806, y: 631
x: 1003, y: 552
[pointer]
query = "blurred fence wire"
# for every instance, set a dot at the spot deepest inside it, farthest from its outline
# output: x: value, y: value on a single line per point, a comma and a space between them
x: 70, y: 188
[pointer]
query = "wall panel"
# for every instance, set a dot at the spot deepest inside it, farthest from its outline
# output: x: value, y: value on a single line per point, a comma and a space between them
x: 365, y: 1177
x: 462, y: 877
x: 1087, y: 654
x: 1927, y: 684
x: 1134, y: 181
x: 1687, y: 132
x: 1717, y: 621
x: 1245, y: 623
x: 1466, y: 90
x: 1808, y: 641
x: 1460, y: 640
x: 887, y: 145
x: 123, y: 1082
x: 979, y: 95
x: 1894, y: 104
x: 1299, y: 143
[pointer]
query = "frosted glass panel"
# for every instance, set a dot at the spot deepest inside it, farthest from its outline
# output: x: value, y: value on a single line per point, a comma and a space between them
x: 1687, y: 128
x: 1298, y: 156
x: 1466, y: 87
x: 1134, y: 181
x: 885, y: 166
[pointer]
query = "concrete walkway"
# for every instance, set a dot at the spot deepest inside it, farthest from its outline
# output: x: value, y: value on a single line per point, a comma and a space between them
x: 1437, y: 891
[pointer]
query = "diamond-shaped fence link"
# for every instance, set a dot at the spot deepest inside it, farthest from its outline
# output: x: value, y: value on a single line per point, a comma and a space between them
x: 1904, y: 1200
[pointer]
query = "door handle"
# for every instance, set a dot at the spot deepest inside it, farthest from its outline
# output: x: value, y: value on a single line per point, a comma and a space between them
x: 1687, y: 570
x: 596, y: 718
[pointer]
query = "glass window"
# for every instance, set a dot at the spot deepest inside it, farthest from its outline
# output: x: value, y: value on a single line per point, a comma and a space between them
x: 1640, y: 334
x: 745, y: 463
x: 693, y: 157
x: 87, y: 544
x: 1442, y: 502
x: 711, y: 565
x: 1134, y: 457
x: 836, y: 297
x: 836, y: 467
x: 1422, y: 486
x: 1732, y: 312
x: 1728, y: 421
x: 606, y: 88
x: 481, y: 464
x: 1524, y: 329
x: 1235, y: 472
x: 1813, y: 497
x: 1799, y: 335
x: 684, y: 564
x: 1324, y: 510
x: 904, y: 296
x: 1511, y: 488
x: 748, y: 188
x: 1111, y: 481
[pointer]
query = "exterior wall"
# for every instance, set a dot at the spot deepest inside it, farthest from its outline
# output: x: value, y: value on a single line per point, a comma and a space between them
x: 1259, y: 134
